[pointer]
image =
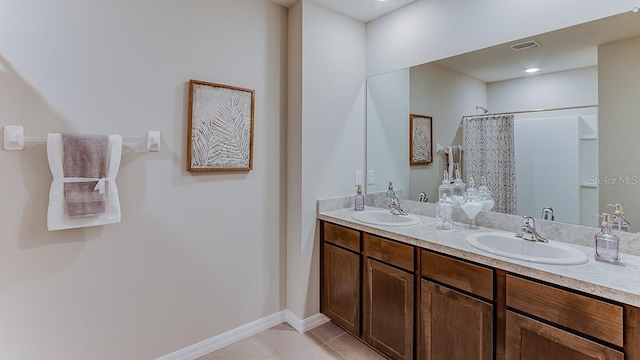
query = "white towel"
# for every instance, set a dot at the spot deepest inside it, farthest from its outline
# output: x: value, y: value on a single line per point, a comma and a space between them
x: 450, y: 160
x: 57, y: 217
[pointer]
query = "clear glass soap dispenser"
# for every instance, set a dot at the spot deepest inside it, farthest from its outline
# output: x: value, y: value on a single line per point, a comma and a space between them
x: 359, y: 199
x: 618, y: 220
x: 390, y: 193
x: 607, y: 243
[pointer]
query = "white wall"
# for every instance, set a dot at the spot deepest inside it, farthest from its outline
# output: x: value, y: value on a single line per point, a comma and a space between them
x: 428, y: 30
x: 196, y: 255
x: 387, y: 130
x: 445, y: 95
x: 332, y: 137
x: 619, y: 90
x: 547, y: 157
x: 576, y: 87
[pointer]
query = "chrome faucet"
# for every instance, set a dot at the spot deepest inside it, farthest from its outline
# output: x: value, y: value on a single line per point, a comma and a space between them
x: 395, y: 207
x: 547, y: 213
x: 528, y: 230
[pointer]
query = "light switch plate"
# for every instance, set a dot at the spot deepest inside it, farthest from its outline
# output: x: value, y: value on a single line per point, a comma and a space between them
x: 358, y: 177
x: 370, y: 177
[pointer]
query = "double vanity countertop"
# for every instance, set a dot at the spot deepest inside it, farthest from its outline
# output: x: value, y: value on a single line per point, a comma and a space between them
x: 617, y: 282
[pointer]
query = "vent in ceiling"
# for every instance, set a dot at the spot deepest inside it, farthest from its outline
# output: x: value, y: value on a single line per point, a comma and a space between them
x: 525, y: 45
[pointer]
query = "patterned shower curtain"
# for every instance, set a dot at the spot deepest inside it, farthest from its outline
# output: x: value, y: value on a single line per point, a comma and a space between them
x: 489, y: 151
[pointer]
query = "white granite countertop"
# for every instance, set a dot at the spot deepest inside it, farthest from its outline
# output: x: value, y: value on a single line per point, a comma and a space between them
x: 619, y: 282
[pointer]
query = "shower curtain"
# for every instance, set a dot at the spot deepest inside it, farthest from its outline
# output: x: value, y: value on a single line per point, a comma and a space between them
x: 489, y: 151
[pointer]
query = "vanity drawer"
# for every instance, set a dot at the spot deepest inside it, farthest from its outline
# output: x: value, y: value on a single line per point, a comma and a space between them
x: 586, y: 315
x: 342, y: 236
x: 462, y: 275
x: 388, y: 251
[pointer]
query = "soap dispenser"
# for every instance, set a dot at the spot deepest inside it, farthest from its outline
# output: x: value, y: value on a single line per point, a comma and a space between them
x: 618, y: 220
x: 390, y: 193
x: 485, y: 196
x: 607, y: 243
x: 445, y: 189
x: 458, y: 189
x: 359, y: 199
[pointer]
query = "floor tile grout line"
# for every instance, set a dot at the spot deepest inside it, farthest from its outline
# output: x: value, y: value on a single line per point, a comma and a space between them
x: 336, y: 350
x: 313, y: 348
x: 331, y: 339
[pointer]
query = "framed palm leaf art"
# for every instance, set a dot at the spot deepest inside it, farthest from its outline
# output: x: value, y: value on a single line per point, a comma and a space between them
x: 420, y: 139
x: 220, y: 130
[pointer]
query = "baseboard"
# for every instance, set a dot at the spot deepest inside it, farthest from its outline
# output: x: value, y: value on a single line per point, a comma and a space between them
x: 217, y: 342
x: 302, y: 326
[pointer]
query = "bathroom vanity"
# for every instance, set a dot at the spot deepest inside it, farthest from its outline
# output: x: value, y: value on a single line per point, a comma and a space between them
x: 419, y: 293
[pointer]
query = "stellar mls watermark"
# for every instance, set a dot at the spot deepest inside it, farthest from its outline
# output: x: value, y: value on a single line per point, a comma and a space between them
x: 615, y: 180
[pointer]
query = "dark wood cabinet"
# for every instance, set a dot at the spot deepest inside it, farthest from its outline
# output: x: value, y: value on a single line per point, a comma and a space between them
x: 341, y: 287
x: 455, y: 326
x: 388, y: 309
x: 554, y: 323
x: 340, y: 276
x: 411, y: 303
x: 585, y: 315
x: 456, y: 311
x: 528, y: 339
x: 388, y: 296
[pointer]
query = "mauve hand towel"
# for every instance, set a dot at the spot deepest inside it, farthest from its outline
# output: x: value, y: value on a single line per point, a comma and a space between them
x: 57, y: 216
x: 85, y: 155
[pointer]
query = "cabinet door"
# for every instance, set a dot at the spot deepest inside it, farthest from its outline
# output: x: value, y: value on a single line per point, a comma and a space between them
x: 528, y: 339
x: 388, y: 309
x: 454, y: 326
x: 341, y: 287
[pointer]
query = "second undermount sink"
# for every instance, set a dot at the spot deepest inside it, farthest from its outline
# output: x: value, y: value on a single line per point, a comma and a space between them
x: 385, y: 217
x: 504, y: 244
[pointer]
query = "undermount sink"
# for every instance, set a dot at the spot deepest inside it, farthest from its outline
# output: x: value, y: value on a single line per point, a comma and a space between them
x: 553, y: 252
x: 385, y: 217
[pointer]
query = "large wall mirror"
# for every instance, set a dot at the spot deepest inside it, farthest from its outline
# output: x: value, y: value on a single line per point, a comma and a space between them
x: 576, y: 119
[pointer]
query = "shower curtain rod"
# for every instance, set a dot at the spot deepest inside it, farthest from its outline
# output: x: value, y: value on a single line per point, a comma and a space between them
x: 533, y: 111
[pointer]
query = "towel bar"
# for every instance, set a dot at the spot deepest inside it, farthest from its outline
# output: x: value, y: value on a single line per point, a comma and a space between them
x: 443, y: 149
x: 14, y: 139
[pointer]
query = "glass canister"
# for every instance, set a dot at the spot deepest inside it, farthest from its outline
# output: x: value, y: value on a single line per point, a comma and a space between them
x: 485, y: 196
x: 459, y: 188
x: 444, y: 213
x: 445, y: 189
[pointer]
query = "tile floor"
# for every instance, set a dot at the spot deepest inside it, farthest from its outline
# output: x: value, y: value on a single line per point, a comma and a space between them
x: 282, y: 342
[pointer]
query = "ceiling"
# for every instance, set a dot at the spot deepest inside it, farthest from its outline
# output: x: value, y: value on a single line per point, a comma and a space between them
x: 570, y: 48
x: 363, y: 10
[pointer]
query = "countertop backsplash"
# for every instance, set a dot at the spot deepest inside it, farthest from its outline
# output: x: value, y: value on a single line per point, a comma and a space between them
x: 571, y: 233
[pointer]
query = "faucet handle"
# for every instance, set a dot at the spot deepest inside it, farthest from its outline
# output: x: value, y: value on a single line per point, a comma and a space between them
x: 528, y: 221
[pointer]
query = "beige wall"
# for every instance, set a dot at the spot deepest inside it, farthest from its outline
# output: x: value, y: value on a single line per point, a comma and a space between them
x: 445, y: 95
x: 330, y: 122
x: 195, y: 255
x: 618, y: 93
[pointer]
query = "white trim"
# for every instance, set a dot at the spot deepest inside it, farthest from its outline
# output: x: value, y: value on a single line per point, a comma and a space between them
x: 302, y: 326
x: 217, y: 342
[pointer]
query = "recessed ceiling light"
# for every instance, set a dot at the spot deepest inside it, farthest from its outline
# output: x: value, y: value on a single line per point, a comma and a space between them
x: 532, y: 70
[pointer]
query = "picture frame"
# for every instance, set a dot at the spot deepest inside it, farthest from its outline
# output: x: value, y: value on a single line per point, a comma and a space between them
x: 420, y: 139
x: 220, y: 127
